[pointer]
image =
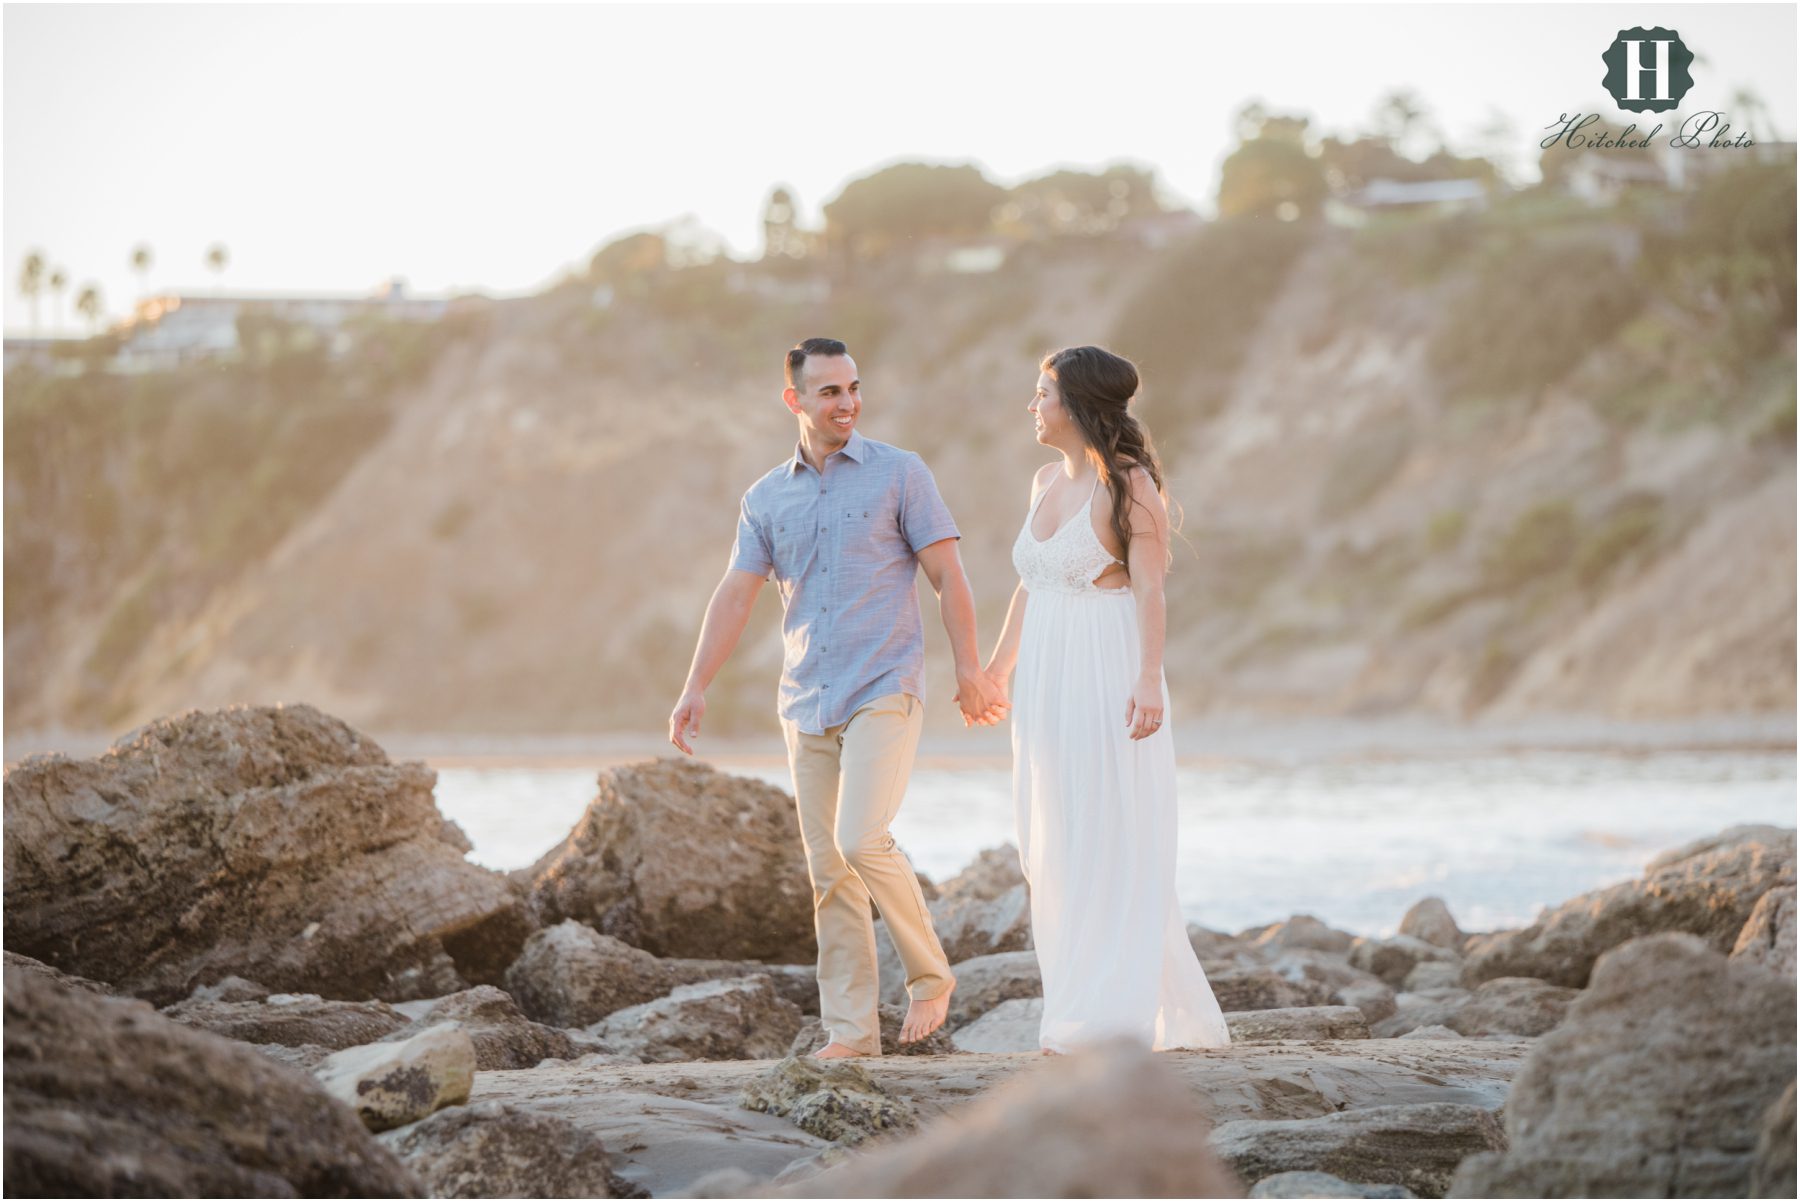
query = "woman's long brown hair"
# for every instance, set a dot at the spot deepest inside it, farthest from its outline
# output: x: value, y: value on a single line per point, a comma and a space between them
x: 1097, y: 387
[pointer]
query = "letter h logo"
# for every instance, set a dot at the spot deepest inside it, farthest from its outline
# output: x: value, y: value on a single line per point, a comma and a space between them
x: 1667, y: 70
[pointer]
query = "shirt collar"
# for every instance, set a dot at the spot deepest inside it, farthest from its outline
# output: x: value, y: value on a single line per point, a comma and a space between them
x: 853, y: 448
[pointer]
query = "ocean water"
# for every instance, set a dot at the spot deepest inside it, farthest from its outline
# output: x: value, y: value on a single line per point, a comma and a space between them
x: 1354, y: 842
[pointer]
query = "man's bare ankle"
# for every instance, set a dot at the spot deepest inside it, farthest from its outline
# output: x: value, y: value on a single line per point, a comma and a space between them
x: 836, y: 1051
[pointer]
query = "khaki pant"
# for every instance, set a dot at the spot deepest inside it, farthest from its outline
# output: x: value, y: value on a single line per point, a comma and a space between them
x: 847, y: 785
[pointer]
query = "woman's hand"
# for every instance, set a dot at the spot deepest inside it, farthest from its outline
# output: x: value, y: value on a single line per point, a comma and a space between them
x: 1144, y: 709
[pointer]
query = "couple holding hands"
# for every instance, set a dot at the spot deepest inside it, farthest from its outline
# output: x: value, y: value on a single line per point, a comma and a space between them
x: 843, y: 527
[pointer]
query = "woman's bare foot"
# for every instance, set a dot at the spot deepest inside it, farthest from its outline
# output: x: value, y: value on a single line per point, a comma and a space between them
x: 836, y: 1051
x: 925, y: 1016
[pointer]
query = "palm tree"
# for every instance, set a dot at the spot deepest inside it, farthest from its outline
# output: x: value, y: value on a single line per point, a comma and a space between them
x: 216, y: 258
x: 140, y: 263
x: 1399, y: 115
x: 89, y: 305
x: 1755, y: 114
x: 59, y: 279
x: 31, y: 283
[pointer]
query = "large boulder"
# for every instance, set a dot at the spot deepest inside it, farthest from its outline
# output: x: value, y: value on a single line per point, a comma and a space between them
x: 492, y: 1150
x: 1009, y: 1027
x: 679, y: 859
x: 1430, y: 919
x: 1263, y: 988
x: 1113, y: 1121
x: 1772, y: 1170
x: 1300, y: 1022
x: 1655, y: 1085
x: 17, y: 963
x: 392, y: 1084
x: 1768, y: 935
x: 1707, y: 888
x: 1503, y: 1006
x: 274, y: 842
x: 740, y: 1018
x: 1300, y: 931
x: 106, y: 1098
x: 292, y: 1020
x: 1413, y: 1146
x: 986, y: 981
x: 503, y: 1037
x: 572, y: 975
x: 1395, y: 958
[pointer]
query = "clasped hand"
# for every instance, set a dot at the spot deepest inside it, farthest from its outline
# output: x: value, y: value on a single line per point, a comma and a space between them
x: 982, y: 696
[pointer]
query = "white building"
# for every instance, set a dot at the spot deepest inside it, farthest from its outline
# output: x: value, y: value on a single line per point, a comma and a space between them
x: 168, y: 330
x: 1435, y: 196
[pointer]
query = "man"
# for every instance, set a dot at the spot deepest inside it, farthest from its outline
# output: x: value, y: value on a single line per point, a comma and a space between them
x: 844, y: 526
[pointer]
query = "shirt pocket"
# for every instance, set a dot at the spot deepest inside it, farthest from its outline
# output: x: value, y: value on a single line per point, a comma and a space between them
x: 791, y: 539
x: 871, y: 534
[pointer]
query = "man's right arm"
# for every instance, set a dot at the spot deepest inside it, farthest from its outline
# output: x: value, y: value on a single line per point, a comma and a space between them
x: 726, y: 616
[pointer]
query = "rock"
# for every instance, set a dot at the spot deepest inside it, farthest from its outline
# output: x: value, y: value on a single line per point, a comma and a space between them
x: 307, y: 1056
x: 1772, y: 1170
x: 392, y: 1084
x: 832, y: 1099
x: 503, y: 1037
x: 1009, y: 1027
x: 1393, y: 959
x: 493, y: 1150
x: 292, y: 1019
x: 812, y: 1037
x: 798, y: 983
x: 1414, y: 1146
x: 1374, y: 999
x: 811, y: 1166
x: 1654, y: 1085
x: 986, y: 981
x: 1433, y: 974
x: 1429, y: 919
x: 17, y: 963
x: 1218, y: 947
x: 724, y: 1183
x: 1707, y: 888
x: 1322, y: 1185
x: 1502, y: 1006
x: 106, y: 1098
x: 1298, y: 1022
x: 993, y: 873
x: 1768, y: 934
x: 1301, y: 931
x: 1263, y: 989
x: 1108, y: 1122
x: 1434, y: 1031
x: 570, y: 975
x: 740, y: 1018
x: 269, y: 841
x: 682, y: 860
x: 1428, y: 1007
x: 969, y: 926
x: 230, y: 989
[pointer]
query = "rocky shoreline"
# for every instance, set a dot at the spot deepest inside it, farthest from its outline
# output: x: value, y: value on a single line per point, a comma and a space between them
x: 245, y: 955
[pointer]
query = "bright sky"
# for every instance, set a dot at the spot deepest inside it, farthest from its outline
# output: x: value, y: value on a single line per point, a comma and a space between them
x: 330, y: 147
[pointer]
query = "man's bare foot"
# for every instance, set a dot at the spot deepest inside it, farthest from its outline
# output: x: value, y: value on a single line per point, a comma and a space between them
x: 925, y: 1016
x: 836, y: 1051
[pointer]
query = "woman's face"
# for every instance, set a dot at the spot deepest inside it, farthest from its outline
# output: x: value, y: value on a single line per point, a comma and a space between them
x: 1053, y: 424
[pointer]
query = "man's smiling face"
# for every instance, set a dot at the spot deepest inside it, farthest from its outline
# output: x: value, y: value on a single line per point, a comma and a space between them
x: 827, y: 399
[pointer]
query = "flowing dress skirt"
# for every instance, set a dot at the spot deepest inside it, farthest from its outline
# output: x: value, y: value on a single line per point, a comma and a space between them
x: 1096, y: 821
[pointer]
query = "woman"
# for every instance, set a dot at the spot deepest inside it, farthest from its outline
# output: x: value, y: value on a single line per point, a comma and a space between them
x: 1093, y: 763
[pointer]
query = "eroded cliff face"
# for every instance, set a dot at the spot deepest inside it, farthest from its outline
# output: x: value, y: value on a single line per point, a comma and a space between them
x: 528, y: 541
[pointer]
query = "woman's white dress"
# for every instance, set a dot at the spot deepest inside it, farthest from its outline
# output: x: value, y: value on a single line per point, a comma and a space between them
x: 1096, y: 812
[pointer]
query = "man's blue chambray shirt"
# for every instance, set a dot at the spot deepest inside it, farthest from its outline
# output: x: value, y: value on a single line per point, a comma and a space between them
x: 843, y: 548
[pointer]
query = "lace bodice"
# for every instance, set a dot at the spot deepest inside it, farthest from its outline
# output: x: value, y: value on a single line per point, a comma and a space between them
x: 1070, y: 559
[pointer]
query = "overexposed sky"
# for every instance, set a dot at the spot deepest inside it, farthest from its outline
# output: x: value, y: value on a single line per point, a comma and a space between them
x: 462, y: 147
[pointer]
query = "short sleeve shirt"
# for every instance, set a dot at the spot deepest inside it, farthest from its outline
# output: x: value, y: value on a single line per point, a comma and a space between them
x: 843, y: 547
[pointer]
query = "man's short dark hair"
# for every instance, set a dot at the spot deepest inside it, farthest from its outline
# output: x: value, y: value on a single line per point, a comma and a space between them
x: 796, y: 358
